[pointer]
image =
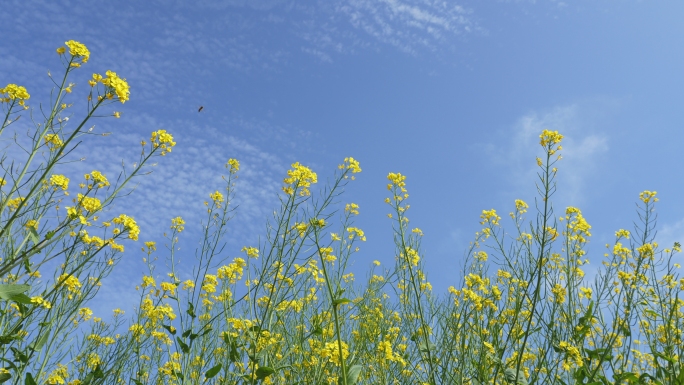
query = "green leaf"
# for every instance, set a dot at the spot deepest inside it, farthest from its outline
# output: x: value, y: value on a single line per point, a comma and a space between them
x: 353, y: 374
x: 170, y: 329
x: 33, y: 234
x: 50, y: 234
x: 136, y: 381
x: 340, y: 301
x: 187, y: 333
x: 184, y: 347
x: 264, y: 372
x: 10, y: 292
x: 213, y: 371
x: 28, y: 380
x: 191, y: 310
x: 233, y: 355
x: 37, y: 345
x: 178, y: 375
x: 4, y: 377
x: 20, y: 356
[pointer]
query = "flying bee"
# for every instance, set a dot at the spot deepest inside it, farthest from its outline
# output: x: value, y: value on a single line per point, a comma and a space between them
x: 200, y: 108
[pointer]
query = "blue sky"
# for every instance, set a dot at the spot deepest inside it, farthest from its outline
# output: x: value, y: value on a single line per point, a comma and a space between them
x: 452, y: 94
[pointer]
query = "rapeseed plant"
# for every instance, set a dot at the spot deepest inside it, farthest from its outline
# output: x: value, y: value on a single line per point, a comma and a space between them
x: 288, y: 311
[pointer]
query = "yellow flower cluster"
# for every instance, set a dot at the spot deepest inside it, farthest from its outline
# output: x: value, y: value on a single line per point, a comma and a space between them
x: 76, y: 50
x: 352, y: 208
x: 98, y: 178
x: 217, y: 197
x: 234, y: 270
x: 14, y: 92
x: 490, y: 217
x: 350, y: 164
x: 162, y: 139
x: 72, y: 283
x: 91, y: 204
x: 355, y: 232
x: 233, y: 165
x: 177, y: 224
x: 59, y: 181
x: 299, y: 177
x: 252, y: 252
x: 53, y: 141
x: 552, y: 137
x: 128, y: 224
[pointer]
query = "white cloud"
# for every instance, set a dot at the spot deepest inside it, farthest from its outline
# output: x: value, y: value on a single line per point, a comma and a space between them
x: 583, y: 148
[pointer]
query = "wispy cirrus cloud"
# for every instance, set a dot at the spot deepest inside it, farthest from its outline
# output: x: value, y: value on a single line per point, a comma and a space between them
x: 583, y: 147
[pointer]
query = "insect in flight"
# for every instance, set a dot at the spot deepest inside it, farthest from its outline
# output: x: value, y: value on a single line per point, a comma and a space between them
x: 200, y: 108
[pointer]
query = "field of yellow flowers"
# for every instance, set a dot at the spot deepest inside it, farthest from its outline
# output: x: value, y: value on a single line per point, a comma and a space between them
x: 288, y: 311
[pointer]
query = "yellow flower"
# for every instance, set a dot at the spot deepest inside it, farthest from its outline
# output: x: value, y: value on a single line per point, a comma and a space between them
x: 128, y: 224
x: 646, y: 196
x: 299, y: 177
x: 98, y: 178
x: 58, y: 375
x: 59, y: 181
x: 234, y: 165
x: 32, y: 224
x: 118, y: 85
x: 72, y: 283
x: 14, y: 92
x: 552, y: 137
x: 351, y: 164
x: 252, y: 252
x: 77, y: 50
x: 61, y: 50
x: 38, y: 300
x: 352, y: 208
x: 177, y: 224
x: 53, y: 141
x: 217, y: 197
x: 162, y: 139
x: 91, y: 204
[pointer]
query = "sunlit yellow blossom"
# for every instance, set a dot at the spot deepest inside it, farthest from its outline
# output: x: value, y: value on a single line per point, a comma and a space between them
x: 78, y: 50
x: 58, y: 375
x: 550, y: 137
x: 233, y: 165
x: 13, y: 204
x: 252, y: 252
x: 85, y: 313
x: 72, y: 283
x: 217, y: 197
x: 91, y: 204
x: 299, y: 177
x: 177, y: 224
x: 53, y: 141
x: 646, y: 196
x: 128, y: 224
x: 355, y: 232
x: 59, y: 181
x: 118, y: 85
x: 98, y: 178
x: 32, y: 224
x: 352, y: 208
x: 163, y: 140
x: 490, y: 217
x: 168, y: 287
x: 14, y: 92
x: 148, y: 281
x: 38, y: 300
x: 351, y: 164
